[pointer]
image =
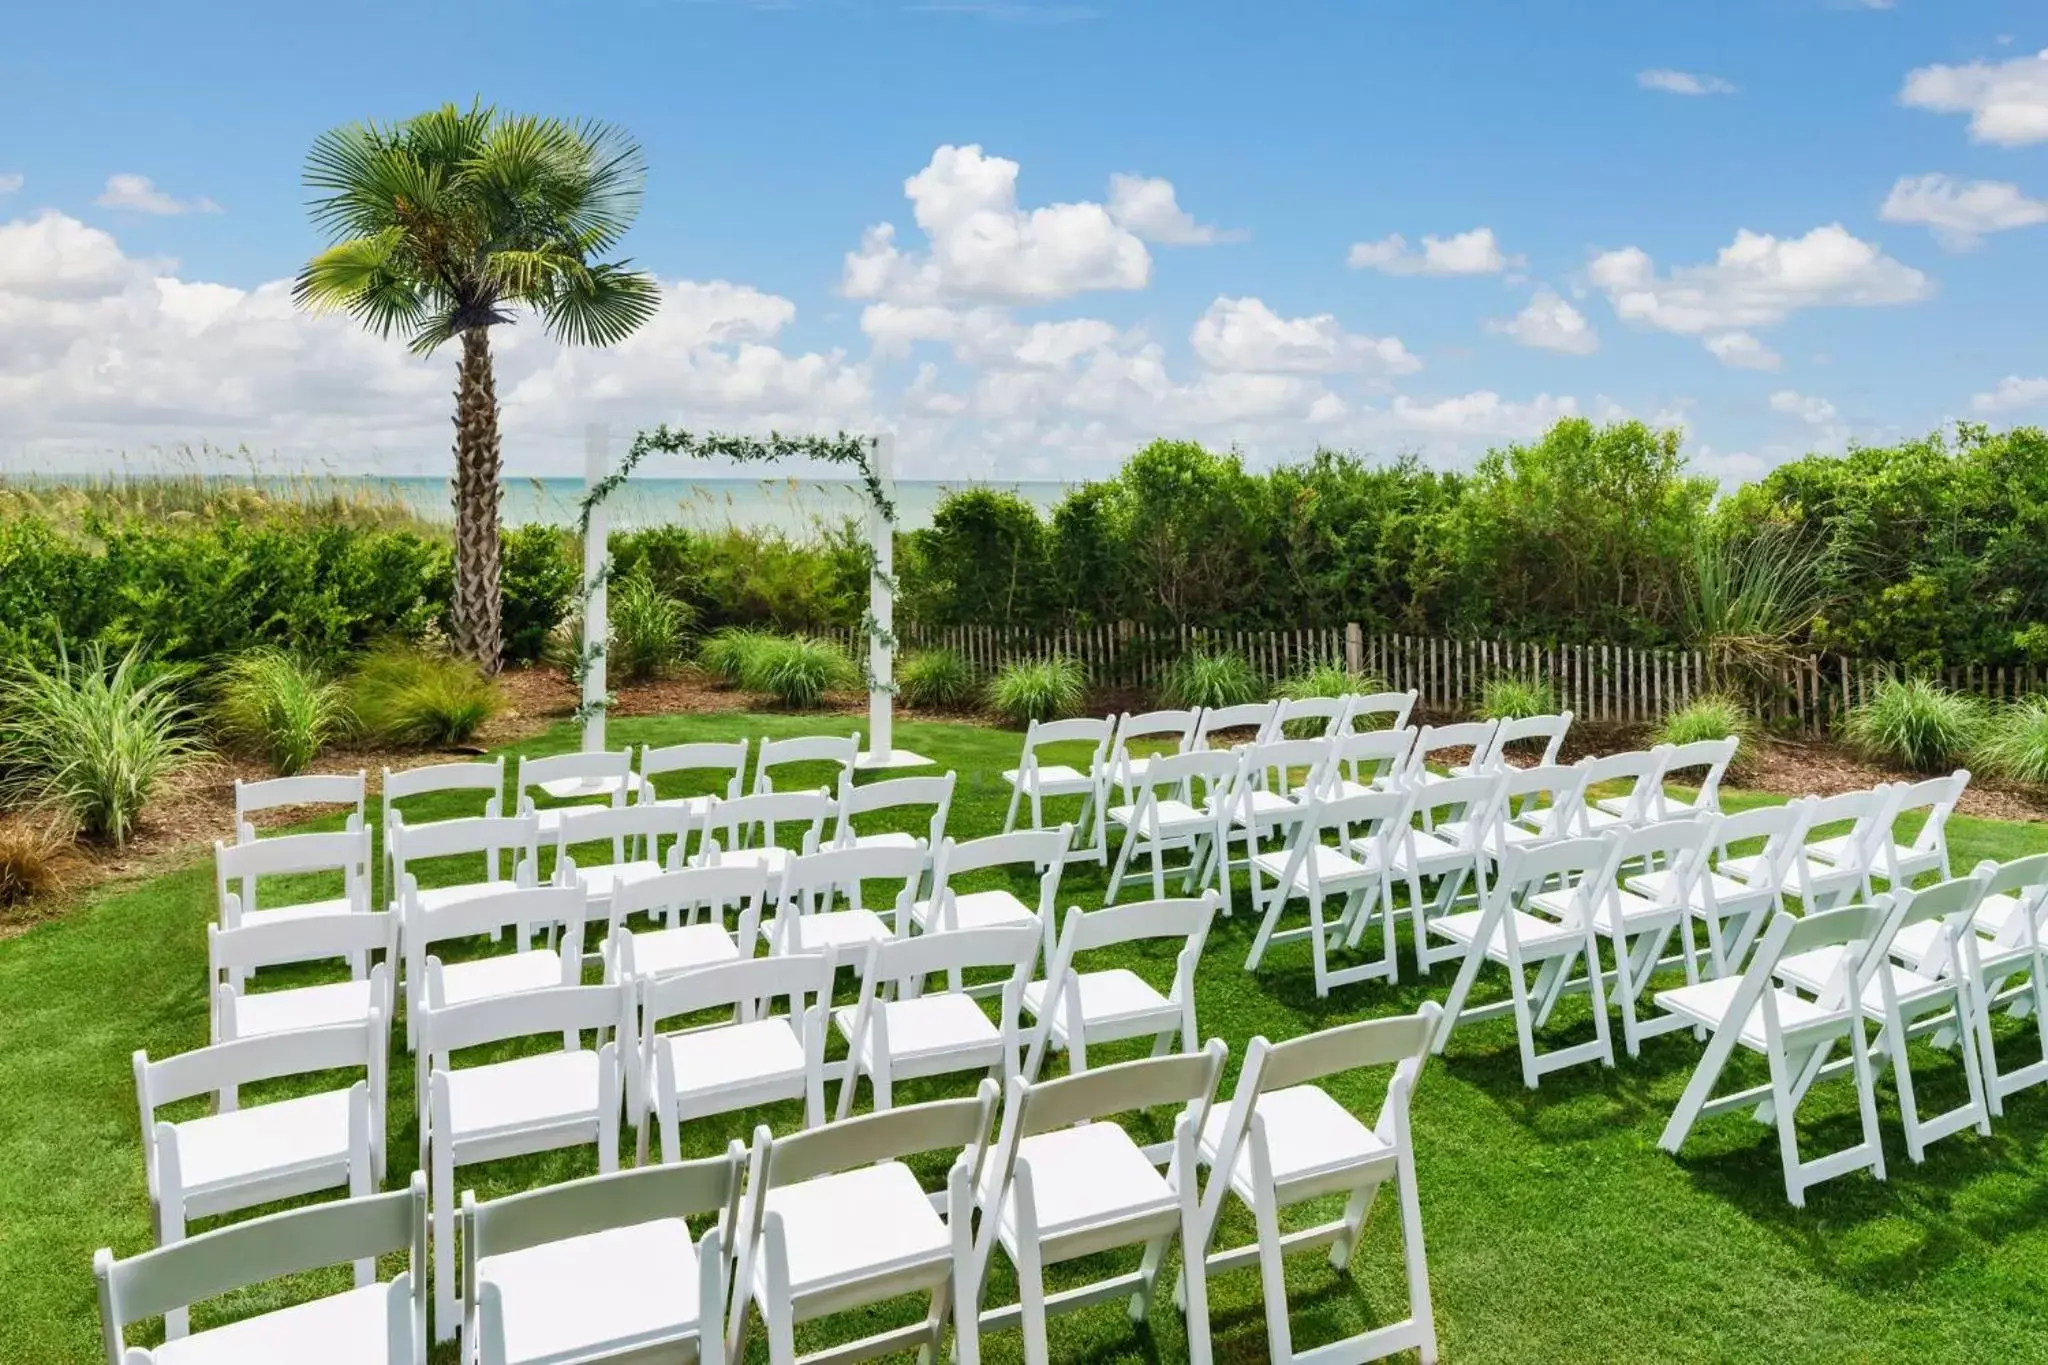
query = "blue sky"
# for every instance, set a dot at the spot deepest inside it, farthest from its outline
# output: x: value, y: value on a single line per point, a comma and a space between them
x: 1256, y: 303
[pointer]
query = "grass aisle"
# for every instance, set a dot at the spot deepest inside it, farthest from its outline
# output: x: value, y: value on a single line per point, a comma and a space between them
x: 1557, y: 1230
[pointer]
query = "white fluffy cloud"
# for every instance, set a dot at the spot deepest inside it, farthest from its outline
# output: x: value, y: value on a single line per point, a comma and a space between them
x: 1807, y: 408
x: 101, y: 351
x: 1245, y: 336
x: 2007, y: 101
x: 1741, y: 351
x: 1484, y: 414
x: 1755, y: 281
x: 1549, y: 323
x: 1466, y: 253
x: 2012, y: 392
x: 981, y: 247
x: 1961, y: 212
x: 139, y: 194
x: 1148, y: 207
x: 10, y: 181
x: 1683, y: 82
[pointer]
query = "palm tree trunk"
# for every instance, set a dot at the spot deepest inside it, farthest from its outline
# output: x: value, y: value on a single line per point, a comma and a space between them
x: 475, y: 617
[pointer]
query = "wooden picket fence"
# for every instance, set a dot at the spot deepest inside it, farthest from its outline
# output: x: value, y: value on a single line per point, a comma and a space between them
x: 1597, y: 682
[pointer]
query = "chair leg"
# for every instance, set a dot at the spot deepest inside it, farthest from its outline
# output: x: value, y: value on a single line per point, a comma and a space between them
x: 1016, y: 796
x: 1415, y: 1260
x: 1031, y: 1300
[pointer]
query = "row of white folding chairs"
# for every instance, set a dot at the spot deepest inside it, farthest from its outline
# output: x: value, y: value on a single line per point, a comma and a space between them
x: 833, y: 1218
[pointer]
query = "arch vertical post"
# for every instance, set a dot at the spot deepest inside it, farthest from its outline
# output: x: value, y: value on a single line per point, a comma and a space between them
x: 882, y: 751
x: 596, y: 626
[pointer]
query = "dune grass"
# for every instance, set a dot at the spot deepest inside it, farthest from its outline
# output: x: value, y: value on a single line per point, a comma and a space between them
x: 1557, y: 1231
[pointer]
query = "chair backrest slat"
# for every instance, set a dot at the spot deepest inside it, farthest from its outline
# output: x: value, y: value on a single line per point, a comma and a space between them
x: 1347, y: 1047
x: 889, y: 1135
x: 1123, y: 1088
x: 599, y: 1203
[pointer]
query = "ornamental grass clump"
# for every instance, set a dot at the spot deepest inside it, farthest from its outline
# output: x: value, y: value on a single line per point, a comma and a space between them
x: 1511, y: 698
x: 727, y: 654
x: 1210, y: 679
x: 798, y: 670
x: 1717, y: 715
x: 936, y: 680
x: 414, y: 698
x: 1329, y: 679
x: 649, y: 629
x: 284, y: 708
x: 92, y: 739
x: 1047, y: 689
x: 1917, y: 724
x: 2015, y: 742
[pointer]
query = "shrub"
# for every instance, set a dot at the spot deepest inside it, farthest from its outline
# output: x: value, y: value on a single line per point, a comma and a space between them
x: 274, y: 703
x: 727, y: 654
x: 2015, y: 741
x: 1329, y: 680
x: 649, y: 629
x: 937, y: 679
x: 28, y: 861
x: 1916, y: 723
x: 1508, y: 698
x: 93, y: 740
x: 1045, y: 690
x: 408, y: 696
x: 1714, y: 716
x: 1207, y: 679
x: 797, y: 670
x: 539, y: 579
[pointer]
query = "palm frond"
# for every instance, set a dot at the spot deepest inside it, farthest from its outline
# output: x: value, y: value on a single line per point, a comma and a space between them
x: 366, y: 278
x: 600, y: 305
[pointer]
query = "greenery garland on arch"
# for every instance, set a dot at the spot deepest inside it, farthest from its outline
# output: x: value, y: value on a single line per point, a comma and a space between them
x: 856, y: 452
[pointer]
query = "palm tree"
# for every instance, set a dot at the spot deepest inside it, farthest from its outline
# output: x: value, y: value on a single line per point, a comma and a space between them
x: 442, y: 227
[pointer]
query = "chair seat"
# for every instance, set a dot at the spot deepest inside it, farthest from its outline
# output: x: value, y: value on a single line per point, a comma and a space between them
x: 339, y: 1002
x: 350, y: 1328
x: 760, y: 1052
x: 1657, y: 886
x: 1259, y: 808
x: 1168, y: 818
x: 1307, y: 1134
x: 1086, y: 1177
x: 524, y: 1093
x: 978, y: 910
x: 273, y: 914
x: 694, y: 805
x: 1637, y: 912
x: 928, y: 1026
x: 1108, y: 998
x: 1819, y: 972
x: 1533, y: 932
x: 835, y: 929
x: 1598, y: 817
x: 603, y: 879
x: 503, y: 974
x: 1335, y: 869
x: 570, y: 788
x: 440, y: 897
x: 263, y: 1142
x: 1708, y: 1003
x: 611, y: 1291
x: 657, y: 952
x: 1051, y: 779
x: 1432, y: 853
x: 894, y: 839
x: 1998, y: 918
x: 773, y: 859
x: 853, y: 1225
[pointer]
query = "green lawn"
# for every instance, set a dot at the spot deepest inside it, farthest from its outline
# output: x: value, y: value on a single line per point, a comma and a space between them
x: 1557, y: 1230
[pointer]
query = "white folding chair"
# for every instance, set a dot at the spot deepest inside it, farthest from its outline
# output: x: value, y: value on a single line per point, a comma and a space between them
x: 1285, y: 1141
x: 770, y: 754
x: 1518, y: 930
x: 836, y: 1220
x: 1310, y: 718
x: 1275, y: 781
x: 540, y: 1102
x: 1454, y: 851
x: 1066, y: 1181
x: 1036, y: 780
x: 556, y: 913
x: 692, y: 904
x: 1900, y: 863
x: 727, y: 759
x: 1356, y: 866
x: 634, y: 834
x: 2008, y: 944
x: 1435, y: 741
x: 237, y: 1158
x: 234, y: 954
x: 896, y: 795
x: 342, y: 857
x: 751, y: 1058
x: 1908, y: 1002
x: 1043, y: 853
x: 1366, y: 710
x: 602, y: 1268
x: 1537, y: 806
x: 1642, y: 801
x: 1367, y: 760
x: 1255, y: 716
x: 745, y: 829
x: 1174, y: 730
x: 1711, y: 757
x: 436, y: 779
x: 1844, y: 872
x: 894, y: 1031
x: 478, y: 841
x: 807, y: 916
x: 371, y: 1324
x: 307, y: 789
x: 1548, y: 729
x: 1738, y: 892
x: 1181, y: 802
x: 1076, y: 1009
x: 1791, y: 1031
x: 604, y: 776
